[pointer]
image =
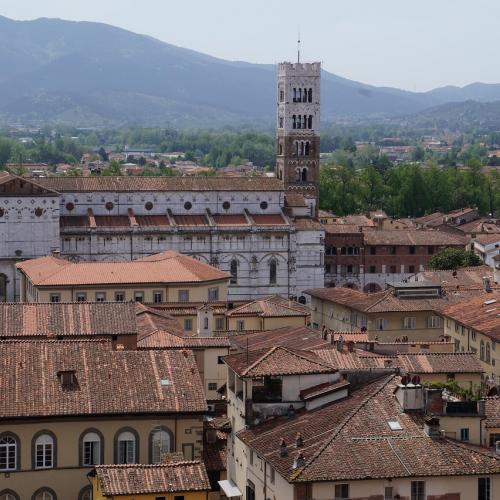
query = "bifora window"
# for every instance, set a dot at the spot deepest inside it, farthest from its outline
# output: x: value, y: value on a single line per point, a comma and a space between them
x: 126, y: 448
x: 160, y: 444
x: 91, y: 449
x: 44, y: 452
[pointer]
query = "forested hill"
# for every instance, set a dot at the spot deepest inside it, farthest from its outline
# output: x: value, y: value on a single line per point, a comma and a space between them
x: 95, y: 74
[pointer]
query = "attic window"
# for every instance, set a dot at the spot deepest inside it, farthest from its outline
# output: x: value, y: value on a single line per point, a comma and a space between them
x: 489, y: 302
x: 109, y: 205
x: 394, y: 425
x: 164, y: 382
x: 67, y: 378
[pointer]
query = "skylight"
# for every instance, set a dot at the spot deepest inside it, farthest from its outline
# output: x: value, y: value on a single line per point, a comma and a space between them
x: 165, y: 381
x: 394, y: 425
x: 489, y: 302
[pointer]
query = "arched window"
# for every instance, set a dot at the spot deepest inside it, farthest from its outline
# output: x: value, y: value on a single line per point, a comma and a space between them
x: 234, y: 272
x: 44, y: 494
x: 343, y: 251
x: 91, y: 448
x: 304, y: 95
x: 481, y: 351
x: 488, y: 353
x: 8, y: 495
x: 299, y: 95
x: 310, y: 122
x: 310, y: 95
x: 160, y: 443
x: 281, y: 149
x: 205, y: 323
x: 299, y: 121
x: 44, y: 451
x: 305, y: 122
x: 304, y: 175
x: 126, y: 447
x: 299, y: 174
x: 302, y: 148
x: 294, y: 95
x: 297, y: 148
x: 273, y: 272
x: 85, y: 493
x: 306, y: 151
x: 9, y: 454
x: 294, y: 118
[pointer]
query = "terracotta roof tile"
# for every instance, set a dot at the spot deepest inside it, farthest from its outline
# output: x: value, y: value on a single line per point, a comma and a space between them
x: 272, y: 306
x: 171, y: 477
x: 413, y: 237
x: 459, y: 362
x: 488, y: 239
x: 465, y: 278
x: 299, y: 337
x: 191, y: 220
x: 350, y: 439
x: 482, y: 314
x: 276, y: 361
x: 166, y: 267
x: 230, y: 220
x: 152, y: 220
x: 492, y: 412
x: 188, y: 183
x: 295, y: 200
x: 66, y: 320
x: 107, y: 381
x: 269, y: 220
x: 112, y: 221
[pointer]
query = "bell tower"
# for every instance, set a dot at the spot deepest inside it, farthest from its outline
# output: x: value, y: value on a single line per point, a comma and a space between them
x: 298, y: 122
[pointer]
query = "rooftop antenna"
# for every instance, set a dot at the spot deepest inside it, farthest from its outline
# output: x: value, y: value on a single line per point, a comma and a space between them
x: 298, y: 48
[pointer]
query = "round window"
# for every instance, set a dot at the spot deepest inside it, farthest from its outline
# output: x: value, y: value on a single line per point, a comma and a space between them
x: 188, y: 205
x: 263, y: 205
x: 70, y: 206
x: 226, y: 205
x: 148, y: 205
x: 39, y: 212
x: 109, y: 205
x: 2, y: 212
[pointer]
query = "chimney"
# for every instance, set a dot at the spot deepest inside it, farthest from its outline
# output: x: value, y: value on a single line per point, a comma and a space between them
x: 434, y: 401
x: 340, y: 344
x: 283, y: 448
x: 496, y: 275
x: 350, y: 346
x: 299, y: 442
x: 387, y: 363
x: 299, y: 461
x: 432, y: 428
x: 486, y: 284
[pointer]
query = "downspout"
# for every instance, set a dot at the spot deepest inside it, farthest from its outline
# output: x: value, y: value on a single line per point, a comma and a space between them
x: 265, y: 480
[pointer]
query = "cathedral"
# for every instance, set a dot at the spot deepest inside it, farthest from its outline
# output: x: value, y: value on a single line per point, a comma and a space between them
x: 262, y: 231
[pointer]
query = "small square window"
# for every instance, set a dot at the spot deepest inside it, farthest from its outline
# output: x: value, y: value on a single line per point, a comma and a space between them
x: 55, y: 297
x: 213, y: 294
x: 119, y: 296
x: 158, y: 297
x: 220, y: 324
x: 139, y: 296
x: 183, y: 295
x: 100, y: 296
x: 464, y: 434
x: 212, y: 386
x: 81, y: 297
x: 341, y: 492
x: 220, y: 360
x: 412, y: 250
x: 188, y: 324
x: 240, y: 325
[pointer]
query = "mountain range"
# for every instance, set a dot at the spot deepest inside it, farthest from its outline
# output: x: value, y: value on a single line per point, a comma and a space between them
x: 85, y: 73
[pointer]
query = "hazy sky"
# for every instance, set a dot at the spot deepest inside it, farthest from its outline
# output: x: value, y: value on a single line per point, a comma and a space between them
x: 411, y: 44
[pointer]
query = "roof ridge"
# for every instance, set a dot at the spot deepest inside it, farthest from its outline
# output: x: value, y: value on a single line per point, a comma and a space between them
x: 259, y: 360
x: 295, y: 475
x: 382, y: 297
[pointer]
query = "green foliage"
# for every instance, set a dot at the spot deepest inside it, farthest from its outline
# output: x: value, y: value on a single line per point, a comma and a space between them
x: 5, y: 150
x: 112, y: 169
x: 454, y: 258
x: 452, y: 386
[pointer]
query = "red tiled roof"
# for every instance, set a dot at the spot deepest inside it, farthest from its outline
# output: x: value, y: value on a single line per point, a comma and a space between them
x: 488, y: 239
x: 341, y: 229
x: 457, y: 362
x: 276, y: 361
x: 166, y: 267
x: 133, y: 184
x: 344, y: 360
x: 108, y: 382
x: 269, y: 220
x: 325, y: 388
x: 66, y: 320
x: 74, y: 221
x: 492, y: 412
x: 112, y: 221
x: 138, y: 479
x: 481, y: 313
x: 230, y: 220
x: 295, y: 200
x: 152, y: 220
x: 269, y: 307
x: 413, y: 237
x: 350, y: 439
x: 300, y: 337
x: 465, y: 278
x: 191, y: 220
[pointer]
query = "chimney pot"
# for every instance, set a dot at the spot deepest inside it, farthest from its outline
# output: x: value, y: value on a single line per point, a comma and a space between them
x: 299, y: 461
x: 299, y: 442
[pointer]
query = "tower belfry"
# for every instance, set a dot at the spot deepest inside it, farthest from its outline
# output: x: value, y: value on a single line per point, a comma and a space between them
x: 298, y: 124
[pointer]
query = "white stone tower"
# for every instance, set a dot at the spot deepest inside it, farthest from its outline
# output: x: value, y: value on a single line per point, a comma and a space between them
x: 298, y: 124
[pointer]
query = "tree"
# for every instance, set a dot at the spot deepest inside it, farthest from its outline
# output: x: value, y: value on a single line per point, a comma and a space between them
x: 102, y: 153
x: 112, y: 169
x: 5, y: 151
x: 454, y: 258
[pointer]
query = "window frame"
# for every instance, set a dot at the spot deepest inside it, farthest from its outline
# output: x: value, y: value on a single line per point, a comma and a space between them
x: 81, y: 447
x: 17, y: 451
x: 98, y: 296
x: 55, y: 298
x: 417, y: 490
x: 213, y: 294
x: 170, y: 435
x: 487, y: 492
x: 81, y: 296
x: 34, y: 450
x: 44, y: 489
x: 341, y: 495
x: 117, y: 441
x: 118, y: 294
x: 181, y: 294
x: 156, y: 294
x: 409, y: 323
x: 8, y: 491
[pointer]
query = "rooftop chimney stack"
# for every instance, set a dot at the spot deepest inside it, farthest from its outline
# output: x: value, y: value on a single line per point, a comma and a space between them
x: 486, y: 284
x: 432, y: 428
x: 340, y: 344
x: 299, y: 442
x: 283, y: 448
x: 299, y: 461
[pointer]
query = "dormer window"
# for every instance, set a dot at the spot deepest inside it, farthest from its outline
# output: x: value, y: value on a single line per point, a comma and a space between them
x: 67, y: 379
